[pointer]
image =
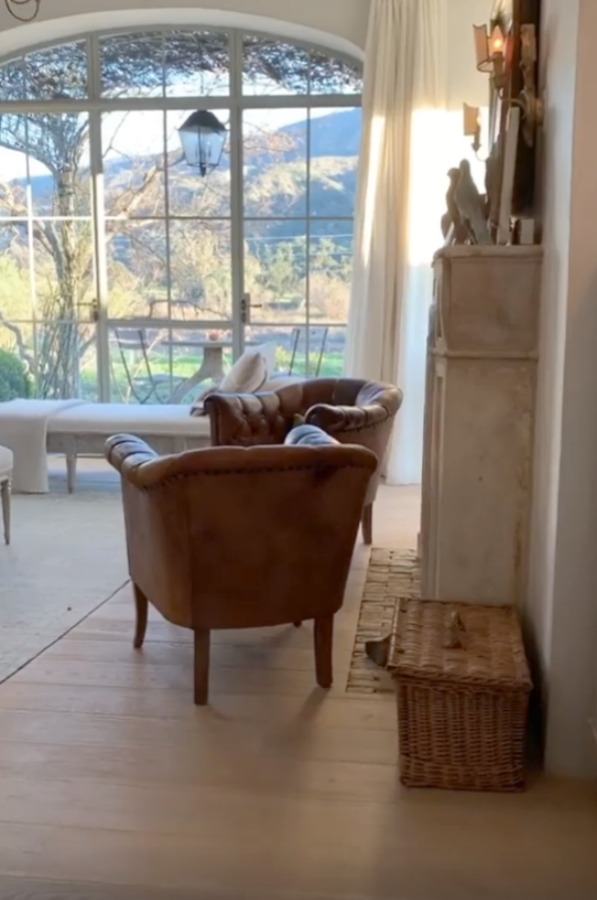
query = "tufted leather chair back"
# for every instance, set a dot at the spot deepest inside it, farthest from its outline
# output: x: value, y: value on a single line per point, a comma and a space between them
x: 351, y: 410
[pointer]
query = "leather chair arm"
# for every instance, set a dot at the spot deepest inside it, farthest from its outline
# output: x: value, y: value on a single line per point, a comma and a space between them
x: 127, y: 453
x: 334, y: 419
x: 138, y: 463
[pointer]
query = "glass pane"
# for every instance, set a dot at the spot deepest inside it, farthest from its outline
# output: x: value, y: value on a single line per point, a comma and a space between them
x: 50, y: 152
x: 200, y: 358
x: 15, y: 282
x: 65, y: 359
x: 137, y: 267
x: 330, y: 75
x: 334, y: 148
x: 330, y: 270
x: 12, y: 80
x: 201, y: 270
x: 88, y: 371
x: 326, y: 352
x: 17, y: 361
x: 30, y: 366
x: 59, y: 163
x: 63, y: 262
x: 275, y: 270
x: 140, y: 369
x: 275, y: 162
x: 310, y: 345
x: 160, y: 365
x: 133, y: 152
x: 132, y: 64
x: 289, y: 352
x: 13, y: 187
x: 189, y: 193
x: 197, y: 64
x: 273, y: 67
x: 57, y: 73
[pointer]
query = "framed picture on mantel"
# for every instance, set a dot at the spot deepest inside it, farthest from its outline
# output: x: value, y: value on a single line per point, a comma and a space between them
x: 511, y: 15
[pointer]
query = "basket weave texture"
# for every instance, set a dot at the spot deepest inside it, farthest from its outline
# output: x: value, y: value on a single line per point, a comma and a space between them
x: 463, y: 685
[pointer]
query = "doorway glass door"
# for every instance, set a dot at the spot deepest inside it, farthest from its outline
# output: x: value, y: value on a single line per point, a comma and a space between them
x: 299, y: 172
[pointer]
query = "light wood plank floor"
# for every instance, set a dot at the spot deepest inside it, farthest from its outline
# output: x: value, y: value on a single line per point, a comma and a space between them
x: 112, y: 784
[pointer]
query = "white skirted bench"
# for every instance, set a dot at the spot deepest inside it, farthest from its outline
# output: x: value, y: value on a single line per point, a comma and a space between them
x: 84, y: 429
x: 32, y: 429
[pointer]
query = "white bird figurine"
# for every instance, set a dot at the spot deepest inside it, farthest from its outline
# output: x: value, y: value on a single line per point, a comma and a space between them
x: 470, y: 205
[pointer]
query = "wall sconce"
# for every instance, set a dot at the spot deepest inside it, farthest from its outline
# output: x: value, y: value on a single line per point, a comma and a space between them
x: 491, y: 59
x: 491, y: 54
x: 472, y: 125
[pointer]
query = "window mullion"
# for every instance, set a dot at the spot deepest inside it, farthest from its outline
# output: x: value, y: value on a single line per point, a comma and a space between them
x: 236, y: 186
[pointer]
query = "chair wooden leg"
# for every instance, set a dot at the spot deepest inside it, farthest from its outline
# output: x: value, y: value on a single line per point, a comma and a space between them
x: 367, y: 524
x: 141, y: 606
x: 201, y: 666
x: 5, y: 489
x: 323, y: 634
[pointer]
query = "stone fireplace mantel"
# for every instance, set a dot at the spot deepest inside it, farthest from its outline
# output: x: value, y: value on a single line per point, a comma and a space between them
x: 479, y: 422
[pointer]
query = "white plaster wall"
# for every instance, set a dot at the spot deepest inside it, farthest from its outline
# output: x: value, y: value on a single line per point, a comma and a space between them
x: 562, y: 603
x: 465, y: 84
x: 558, y: 67
x: 573, y: 683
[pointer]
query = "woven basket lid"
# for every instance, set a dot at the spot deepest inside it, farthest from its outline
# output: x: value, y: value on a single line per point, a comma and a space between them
x: 459, y: 643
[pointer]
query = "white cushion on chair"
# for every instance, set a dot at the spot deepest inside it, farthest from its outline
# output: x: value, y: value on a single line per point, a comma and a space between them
x: 6, y: 462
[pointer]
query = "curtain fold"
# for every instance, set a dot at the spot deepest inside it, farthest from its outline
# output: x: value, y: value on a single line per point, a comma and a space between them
x: 402, y: 184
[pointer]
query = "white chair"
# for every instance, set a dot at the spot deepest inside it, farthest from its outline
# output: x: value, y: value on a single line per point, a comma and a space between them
x: 6, y: 463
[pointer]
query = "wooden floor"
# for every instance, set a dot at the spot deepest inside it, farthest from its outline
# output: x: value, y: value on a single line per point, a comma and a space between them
x: 112, y: 784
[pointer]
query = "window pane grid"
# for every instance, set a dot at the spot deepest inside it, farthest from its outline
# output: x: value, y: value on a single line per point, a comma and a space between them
x: 173, y: 241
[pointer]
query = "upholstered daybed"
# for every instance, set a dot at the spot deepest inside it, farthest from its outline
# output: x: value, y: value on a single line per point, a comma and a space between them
x: 34, y: 428
x: 80, y: 430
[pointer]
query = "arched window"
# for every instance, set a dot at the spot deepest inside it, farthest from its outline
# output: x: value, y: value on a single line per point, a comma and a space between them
x: 129, y: 274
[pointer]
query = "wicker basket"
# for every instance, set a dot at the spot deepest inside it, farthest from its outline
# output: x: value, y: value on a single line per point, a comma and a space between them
x: 463, y: 686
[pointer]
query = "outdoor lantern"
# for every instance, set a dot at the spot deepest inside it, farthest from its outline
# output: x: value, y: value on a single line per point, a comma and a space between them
x: 202, y: 137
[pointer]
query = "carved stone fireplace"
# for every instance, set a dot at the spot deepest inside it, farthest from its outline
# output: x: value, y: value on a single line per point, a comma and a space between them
x: 479, y: 422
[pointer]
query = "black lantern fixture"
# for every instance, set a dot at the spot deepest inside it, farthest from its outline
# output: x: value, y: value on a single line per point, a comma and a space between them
x: 23, y: 10
x: 202, y: 137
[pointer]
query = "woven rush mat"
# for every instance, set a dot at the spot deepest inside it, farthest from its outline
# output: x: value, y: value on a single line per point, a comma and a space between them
x: 392, y: 575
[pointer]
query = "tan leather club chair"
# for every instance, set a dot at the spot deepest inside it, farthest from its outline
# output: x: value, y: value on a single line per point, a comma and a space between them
x: 242, y: 538
x: 352, y: 411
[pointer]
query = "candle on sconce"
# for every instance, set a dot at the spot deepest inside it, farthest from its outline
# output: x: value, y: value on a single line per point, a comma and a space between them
x: 497, y: 42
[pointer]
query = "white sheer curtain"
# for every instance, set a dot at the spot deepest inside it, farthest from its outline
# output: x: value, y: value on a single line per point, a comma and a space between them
x: 405, y: 154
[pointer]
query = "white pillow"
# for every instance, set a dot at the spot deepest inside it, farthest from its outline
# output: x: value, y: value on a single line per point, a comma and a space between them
x: 268, y: 351
x: 246, y: 376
